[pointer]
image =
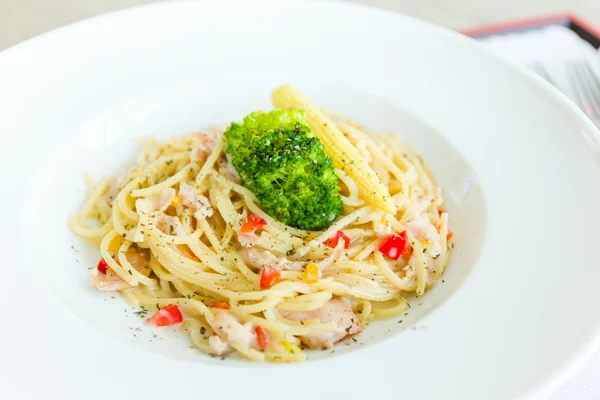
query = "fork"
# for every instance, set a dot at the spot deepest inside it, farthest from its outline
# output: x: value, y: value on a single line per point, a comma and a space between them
x: 539, y: 69
x: 586, y: 88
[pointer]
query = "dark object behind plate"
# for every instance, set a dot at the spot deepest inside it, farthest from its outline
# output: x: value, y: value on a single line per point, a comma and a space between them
x: 582, y: 28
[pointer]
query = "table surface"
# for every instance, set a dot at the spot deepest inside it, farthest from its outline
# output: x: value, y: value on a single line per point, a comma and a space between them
x: 24, y: 19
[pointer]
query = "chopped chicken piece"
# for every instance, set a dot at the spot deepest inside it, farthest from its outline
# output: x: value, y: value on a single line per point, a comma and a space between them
x: 204, y: 142
x: 227, y: 170
x: 230, y: 330
x: 170, y: 225
x: 218, y: 346
x: 163, y: 200
x: 246, y: 239
x: 109, y: 282
x: 422, y: 228
x: 337, y: 311
x: 119, y: 183
x: 195, y: 202
x: 260, y: 258
x: 411, y: 271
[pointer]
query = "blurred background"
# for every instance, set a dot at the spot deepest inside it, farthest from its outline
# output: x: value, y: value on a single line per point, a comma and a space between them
x: 23, y: 19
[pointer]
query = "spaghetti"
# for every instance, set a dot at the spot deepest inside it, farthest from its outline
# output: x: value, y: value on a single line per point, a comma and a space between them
x: 178, y: 233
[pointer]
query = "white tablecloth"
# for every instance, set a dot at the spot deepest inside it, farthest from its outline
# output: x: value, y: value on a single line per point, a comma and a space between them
x: 583, y: 386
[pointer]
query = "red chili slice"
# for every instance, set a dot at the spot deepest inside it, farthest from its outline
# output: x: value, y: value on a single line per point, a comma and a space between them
x: 407, y: 251
x: 396, y: 245
x: 261, y: 338
x: 269, y: 277
x: 168, y: 315
x: 222, y: 306
x: 102, y: 266
x: 253, y: 222
x: 333, y: 241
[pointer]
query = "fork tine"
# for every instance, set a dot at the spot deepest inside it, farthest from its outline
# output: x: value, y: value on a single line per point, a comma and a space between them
x: 582, y: 96
x: 539, y: 68
x: 533, y: 67
x: 592, y: 82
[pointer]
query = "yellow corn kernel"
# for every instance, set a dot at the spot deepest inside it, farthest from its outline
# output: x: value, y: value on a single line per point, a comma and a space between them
x: 343, y: 154
x: 291, y: 348
x: 114, y: 245
x: 176, y: 201
x: 311, y: 273
x: 424, y: 242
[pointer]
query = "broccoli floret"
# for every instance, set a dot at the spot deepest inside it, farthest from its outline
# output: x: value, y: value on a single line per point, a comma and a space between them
x: 285, y: 166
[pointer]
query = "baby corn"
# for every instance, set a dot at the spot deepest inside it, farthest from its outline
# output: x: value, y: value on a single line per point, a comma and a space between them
x: 338, y: 147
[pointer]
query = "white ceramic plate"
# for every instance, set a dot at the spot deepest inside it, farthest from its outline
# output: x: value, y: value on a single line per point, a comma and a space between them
x: 516, y: 313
